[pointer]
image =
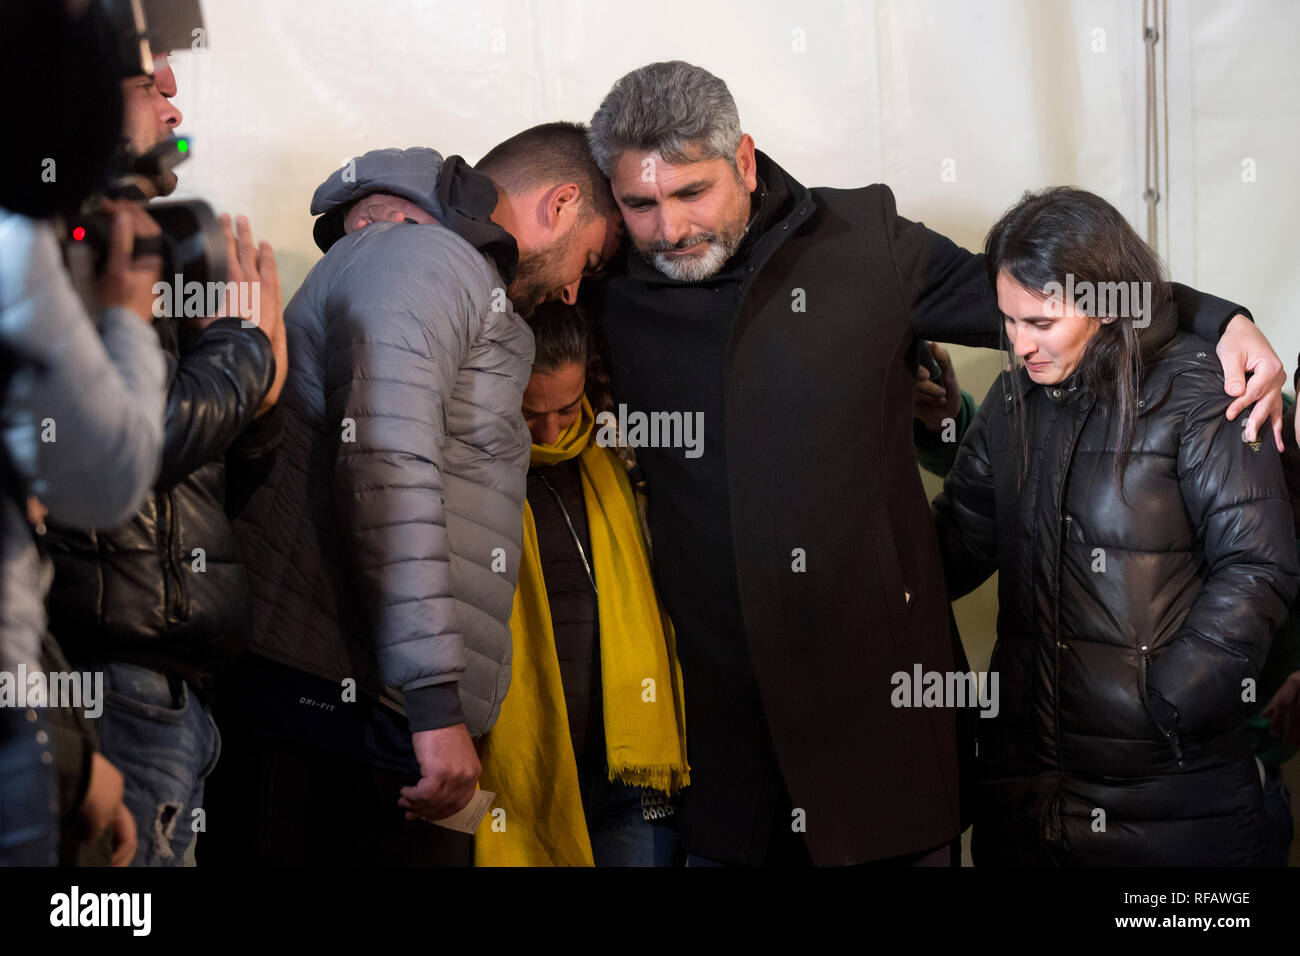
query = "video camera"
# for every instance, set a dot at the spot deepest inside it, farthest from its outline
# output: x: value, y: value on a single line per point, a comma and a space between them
x: 192, y: 244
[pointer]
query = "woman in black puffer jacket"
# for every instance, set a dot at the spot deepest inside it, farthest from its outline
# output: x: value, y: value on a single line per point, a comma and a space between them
x: 1132, y: 624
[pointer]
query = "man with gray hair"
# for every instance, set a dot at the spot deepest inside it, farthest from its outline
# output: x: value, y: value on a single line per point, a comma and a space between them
x: 797, y: 557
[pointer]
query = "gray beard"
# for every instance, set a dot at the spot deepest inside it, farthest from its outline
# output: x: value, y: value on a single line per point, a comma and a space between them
x: 696, y: 268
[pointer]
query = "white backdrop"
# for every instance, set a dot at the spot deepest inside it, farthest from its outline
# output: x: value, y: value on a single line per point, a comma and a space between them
x: 959, y: 106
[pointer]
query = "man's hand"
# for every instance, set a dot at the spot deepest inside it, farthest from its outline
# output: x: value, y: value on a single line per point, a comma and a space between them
x: 254, y: 264
x: 1243, y: 349
x: 124, y: 836
x: 449, y: 770
x: 1283, y: 712
x: 36, y: 512
x: 127, y: 281
x: 936, y: 401
x: 103, y: 800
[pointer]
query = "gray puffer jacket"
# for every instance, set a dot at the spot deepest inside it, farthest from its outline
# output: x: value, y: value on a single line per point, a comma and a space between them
x: 385, y: 544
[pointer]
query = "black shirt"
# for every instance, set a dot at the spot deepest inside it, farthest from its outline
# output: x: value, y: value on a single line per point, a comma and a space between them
x: 554, y: 493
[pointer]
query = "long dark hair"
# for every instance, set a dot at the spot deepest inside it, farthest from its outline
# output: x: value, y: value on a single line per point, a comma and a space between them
x: 562, y: 336
x: 1066, y: 232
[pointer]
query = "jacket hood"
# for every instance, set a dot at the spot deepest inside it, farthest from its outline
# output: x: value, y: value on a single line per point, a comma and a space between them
x: 1157, y: 335
x: 409, y: 173
x: 453, y: 192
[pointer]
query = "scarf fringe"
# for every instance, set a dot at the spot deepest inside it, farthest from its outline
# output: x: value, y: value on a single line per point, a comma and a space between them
x: 669, y: 778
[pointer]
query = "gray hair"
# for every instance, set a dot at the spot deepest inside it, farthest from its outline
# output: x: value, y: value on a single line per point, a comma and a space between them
x: 683, y: 112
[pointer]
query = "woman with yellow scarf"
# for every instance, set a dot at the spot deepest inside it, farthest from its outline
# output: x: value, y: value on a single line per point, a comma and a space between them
x: 591, y: 739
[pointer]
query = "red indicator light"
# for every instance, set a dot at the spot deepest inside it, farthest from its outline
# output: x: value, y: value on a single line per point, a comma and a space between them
x: 79, y: 233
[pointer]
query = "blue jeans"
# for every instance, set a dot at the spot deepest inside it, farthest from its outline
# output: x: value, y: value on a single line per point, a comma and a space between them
x: 29, y: 811
x: 620, y: 835
x: 164, y: 741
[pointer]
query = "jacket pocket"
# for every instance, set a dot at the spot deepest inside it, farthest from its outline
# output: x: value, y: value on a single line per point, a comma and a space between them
x: 144, y: 693
x: 1162, y: 713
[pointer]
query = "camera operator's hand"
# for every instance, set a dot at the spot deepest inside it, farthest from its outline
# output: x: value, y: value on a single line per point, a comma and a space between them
x: 36, y: 512
x: 128, y: 282
x: 102, y: 809
x: 103, y: 796
x: 124, y: 836
x: 255, y: 263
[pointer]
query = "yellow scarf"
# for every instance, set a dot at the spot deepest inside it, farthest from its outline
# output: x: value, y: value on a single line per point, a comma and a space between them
x: 527, y: 757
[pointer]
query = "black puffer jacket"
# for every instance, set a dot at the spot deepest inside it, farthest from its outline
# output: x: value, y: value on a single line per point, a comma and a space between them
x: 1125, y: 632
x: 167, y: 589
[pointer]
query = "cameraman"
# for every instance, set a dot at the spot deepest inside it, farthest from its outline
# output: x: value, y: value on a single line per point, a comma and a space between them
x: 80, y: 406
x: 160, y: 602
x: 150, y: 119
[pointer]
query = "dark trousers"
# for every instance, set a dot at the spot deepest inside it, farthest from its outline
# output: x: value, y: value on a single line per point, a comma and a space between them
x: 272, y: 804
x: 947, y: 855
x: 307, y: 779
x: 1277, y: 816
x: 786, y: 848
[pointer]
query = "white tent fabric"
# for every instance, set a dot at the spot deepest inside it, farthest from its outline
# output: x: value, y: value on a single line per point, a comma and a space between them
x: 1242, y: 139
x: 958, y: 106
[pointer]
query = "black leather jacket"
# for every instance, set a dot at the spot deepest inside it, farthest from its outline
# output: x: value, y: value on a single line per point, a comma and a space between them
x: 1128, y: 634
x: 167, y: 589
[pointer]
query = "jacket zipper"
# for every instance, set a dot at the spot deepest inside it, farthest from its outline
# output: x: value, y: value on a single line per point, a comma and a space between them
x: 176, y: 593
x: 1054, y: 829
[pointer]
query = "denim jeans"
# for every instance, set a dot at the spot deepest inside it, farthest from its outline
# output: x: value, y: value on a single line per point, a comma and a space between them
x: 620, y: 835
x: 29, y: 811
x: 164, y: 741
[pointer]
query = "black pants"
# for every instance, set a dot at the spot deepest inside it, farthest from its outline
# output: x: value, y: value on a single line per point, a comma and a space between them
x: 273, y: 805
x: 280, y: 797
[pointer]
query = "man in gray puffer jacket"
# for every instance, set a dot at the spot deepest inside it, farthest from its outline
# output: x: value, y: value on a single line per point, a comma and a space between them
x: 384, y: 547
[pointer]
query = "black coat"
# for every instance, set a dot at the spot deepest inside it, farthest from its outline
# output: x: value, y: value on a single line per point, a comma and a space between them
x: 814, y: 452
x: 1125, y: 631
x: 167, y: 589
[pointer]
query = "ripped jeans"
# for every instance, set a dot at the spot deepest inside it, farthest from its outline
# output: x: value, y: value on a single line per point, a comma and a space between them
x: 162, y: 738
